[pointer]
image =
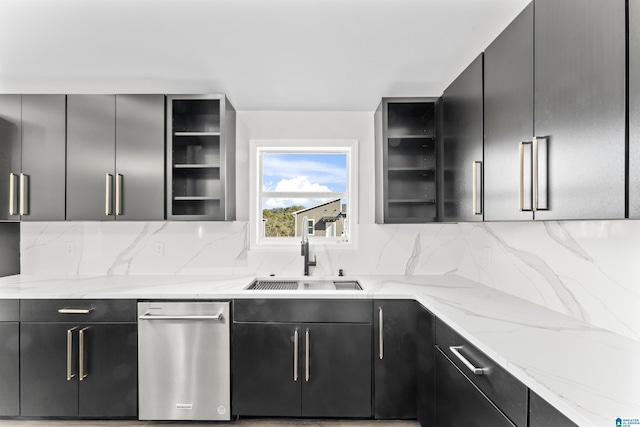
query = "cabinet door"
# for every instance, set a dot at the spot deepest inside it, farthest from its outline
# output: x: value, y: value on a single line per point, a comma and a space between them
x: 462, y: 145
x: 10, y: 154
x: 140, y: 157
x: 459, y: 402
x: 338, y: 365
x: 90, y: 156
x: 425, y: 366
x: 580, y: 70
x: 9, y: 369
x: 109, y: 375
x: 508, y: 120
x: 394, y: 358
x: 43, y: 157
x: 46, y: 388
x: 264, y: 380
x: 634, y: 109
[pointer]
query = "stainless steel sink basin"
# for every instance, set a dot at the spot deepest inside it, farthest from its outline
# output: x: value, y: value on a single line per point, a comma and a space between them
x: 304, y: 285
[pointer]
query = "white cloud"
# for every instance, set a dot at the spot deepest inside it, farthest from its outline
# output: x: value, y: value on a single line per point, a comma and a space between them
x: 300, y: 183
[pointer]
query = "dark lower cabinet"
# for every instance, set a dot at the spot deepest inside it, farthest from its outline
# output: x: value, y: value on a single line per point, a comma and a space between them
x: 395, y: 359
x: 425, y: 367
x: 328, y: 376
x: 9, y: 358
x: 542, y: 414
x: 70, y: 370
x: 459, y: 402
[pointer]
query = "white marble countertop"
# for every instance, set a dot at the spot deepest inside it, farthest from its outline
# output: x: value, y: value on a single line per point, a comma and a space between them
x: 589, y: 374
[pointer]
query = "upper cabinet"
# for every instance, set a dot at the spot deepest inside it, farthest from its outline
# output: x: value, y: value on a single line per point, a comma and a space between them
x: 555, y: 138
x: 462, y: 137
x: 115, y: 157
x: 406, y: 185
x: 200, y: 158
x: 32, y: 157
x: 634, y: 109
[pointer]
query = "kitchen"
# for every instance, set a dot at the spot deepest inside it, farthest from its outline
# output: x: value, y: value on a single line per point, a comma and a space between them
x: 581, y: 268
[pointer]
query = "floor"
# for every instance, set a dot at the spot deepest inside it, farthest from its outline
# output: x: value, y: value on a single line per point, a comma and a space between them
x: 240, y: 423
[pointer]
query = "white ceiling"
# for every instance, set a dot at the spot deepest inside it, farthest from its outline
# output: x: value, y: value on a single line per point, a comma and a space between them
x: 264, y: 54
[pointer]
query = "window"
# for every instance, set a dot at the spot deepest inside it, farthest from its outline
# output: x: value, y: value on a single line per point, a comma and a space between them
x: 302, y: 187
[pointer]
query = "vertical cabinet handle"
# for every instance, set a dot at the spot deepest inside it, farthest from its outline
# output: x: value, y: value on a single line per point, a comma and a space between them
x: 540, y: 173
x: 535, y: 174
x: 118, y: 194
x: 12, y: 194
x: 70, y: 373
x: 307, y: 370
x: 107, y: 192
x: 295, y: 355
x: 380, y: 332
x: 477, y: 191
x: 521, y: 187
x: 23, y: 185
x: 82, y: 370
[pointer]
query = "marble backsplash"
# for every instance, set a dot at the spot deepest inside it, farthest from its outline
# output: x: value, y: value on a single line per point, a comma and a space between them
x: 586, y: 269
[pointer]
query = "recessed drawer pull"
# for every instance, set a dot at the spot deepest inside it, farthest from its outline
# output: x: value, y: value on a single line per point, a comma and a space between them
x: 71, y: 310
x: 476, y: 371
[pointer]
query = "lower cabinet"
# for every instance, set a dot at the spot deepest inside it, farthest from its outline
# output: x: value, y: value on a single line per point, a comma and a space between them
x: 459, y: 402
x: 84, y: 368
x: 395, y: 359
x: 9, y: 358
x: 425, y: 367
x: 310, y: 366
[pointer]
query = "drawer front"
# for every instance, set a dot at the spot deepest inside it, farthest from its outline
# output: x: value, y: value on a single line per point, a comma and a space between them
x: 9, y: 310
x: 507, y: 392
x: 302, y: 310
x: 77, y: 310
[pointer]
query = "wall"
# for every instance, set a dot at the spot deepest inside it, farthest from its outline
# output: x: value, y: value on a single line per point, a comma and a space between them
x: 585, y: 269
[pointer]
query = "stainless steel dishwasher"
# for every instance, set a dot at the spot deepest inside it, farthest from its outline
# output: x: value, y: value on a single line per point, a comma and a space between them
x: 184, y: 361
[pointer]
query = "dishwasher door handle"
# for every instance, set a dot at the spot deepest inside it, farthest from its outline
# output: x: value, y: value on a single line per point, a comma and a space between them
x: 195, y: 317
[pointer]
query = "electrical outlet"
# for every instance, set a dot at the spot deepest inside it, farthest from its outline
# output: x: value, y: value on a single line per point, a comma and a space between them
x: 160, y: 249
x: 70, y: 248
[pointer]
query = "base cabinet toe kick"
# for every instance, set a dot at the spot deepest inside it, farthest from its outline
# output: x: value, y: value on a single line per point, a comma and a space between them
x: 221, y: 360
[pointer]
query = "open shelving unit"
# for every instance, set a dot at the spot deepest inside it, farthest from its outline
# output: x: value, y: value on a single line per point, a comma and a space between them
x: 406, y: 168
x: 200, y: 158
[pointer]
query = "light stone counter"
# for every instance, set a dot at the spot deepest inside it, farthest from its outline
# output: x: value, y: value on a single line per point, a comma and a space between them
x: 589, y: 374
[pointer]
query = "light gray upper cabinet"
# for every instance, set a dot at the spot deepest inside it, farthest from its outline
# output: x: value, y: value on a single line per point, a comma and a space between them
x: 634, y: 109
x: 462, y: 136
x: 115, y: 157
x: 564, y: 159
x: 32, y: 182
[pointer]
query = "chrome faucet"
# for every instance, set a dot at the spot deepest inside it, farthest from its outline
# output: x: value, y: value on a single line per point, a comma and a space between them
x: 304, y: 248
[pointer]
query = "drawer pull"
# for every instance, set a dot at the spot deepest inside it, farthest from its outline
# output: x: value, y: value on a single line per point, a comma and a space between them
x: 476, y: 371
x: 71, y: 310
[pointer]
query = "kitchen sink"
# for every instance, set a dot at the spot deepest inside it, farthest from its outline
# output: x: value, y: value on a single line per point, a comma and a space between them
x: 304, y: 285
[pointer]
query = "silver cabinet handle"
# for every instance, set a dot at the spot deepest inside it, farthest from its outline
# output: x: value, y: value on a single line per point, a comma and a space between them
x: 476, y: 371
x: 535, y: 174
x: 540, y: 173
x: 160, y: 317
x: 107, y: 192
x: 23, y: 186
x: 12, y: 194
x: 295, y: 355
x: 70, y: 374
x: 521, y: 187
x: 477, y: 169
x: 118, y: 194
x: 82, y: 374
x: 73, y: 310
x: 307, y: 370
x: 381, y: 333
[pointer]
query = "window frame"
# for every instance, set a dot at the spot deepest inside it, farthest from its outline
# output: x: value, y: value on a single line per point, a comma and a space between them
x: 257, y: 147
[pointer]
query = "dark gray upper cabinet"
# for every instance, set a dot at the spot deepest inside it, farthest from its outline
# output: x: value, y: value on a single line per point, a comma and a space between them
x: 98, y: 127
x: 508, y: 118
x: 570, y: 165
x: 10, y: 155
x: 462, y: 137
x: 32, y: 183
x: 634, y: 109
x: 406, y: 185
x: 579, y: 116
